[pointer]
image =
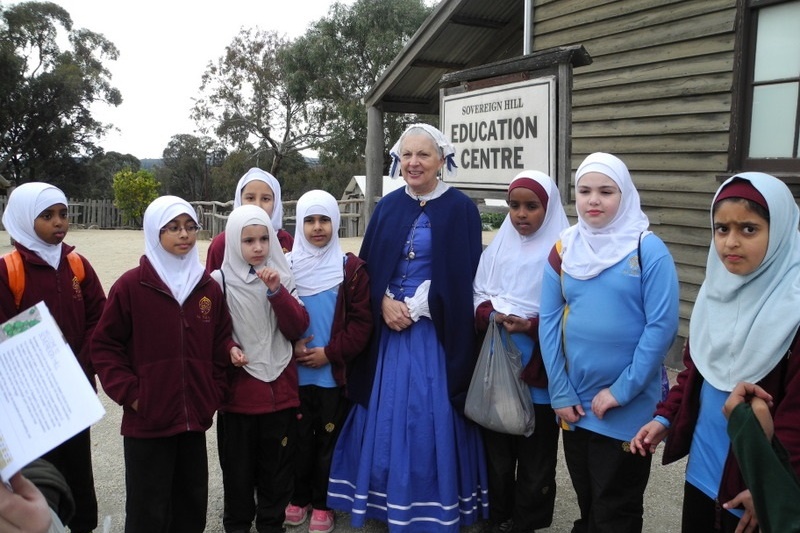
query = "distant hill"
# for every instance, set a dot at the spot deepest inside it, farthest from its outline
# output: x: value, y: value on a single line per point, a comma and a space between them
x: 147, y: 164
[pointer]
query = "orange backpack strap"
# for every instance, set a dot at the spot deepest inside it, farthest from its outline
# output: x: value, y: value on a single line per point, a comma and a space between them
x: 16, y: 275
x: 76, y: 264
x: 16, y: 272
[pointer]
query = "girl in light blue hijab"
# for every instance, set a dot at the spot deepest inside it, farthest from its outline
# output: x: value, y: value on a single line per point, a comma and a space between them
x: 743, y: 328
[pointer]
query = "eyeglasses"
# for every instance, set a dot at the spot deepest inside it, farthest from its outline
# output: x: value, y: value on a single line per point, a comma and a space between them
x: 174, y: 229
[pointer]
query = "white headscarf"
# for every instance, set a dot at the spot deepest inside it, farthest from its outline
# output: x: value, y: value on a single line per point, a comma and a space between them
x: 262, y: 175
x: 446, y: 149
x: 316, y: 269
x: 255, y: 326
x: 510, y: 270
x: 588, y: 251
x: 180, y: 273
x: 25, y: 204
x: 742, y: 326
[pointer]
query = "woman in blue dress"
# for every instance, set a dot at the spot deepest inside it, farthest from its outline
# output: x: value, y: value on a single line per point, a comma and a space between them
x: 406, y: 454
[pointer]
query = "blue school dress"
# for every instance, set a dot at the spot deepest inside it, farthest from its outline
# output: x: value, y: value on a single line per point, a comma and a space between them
x: 408, y: 458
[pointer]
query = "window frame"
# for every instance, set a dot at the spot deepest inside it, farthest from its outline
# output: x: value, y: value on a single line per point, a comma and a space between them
x: 743, y: 104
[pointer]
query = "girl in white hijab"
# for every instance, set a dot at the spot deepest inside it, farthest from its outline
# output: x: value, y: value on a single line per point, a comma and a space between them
x: 256, y: 424
x: 180, y: 272
x: 37, y: 219
x: 334, y: 287
x: 25, y: 204
x: 508, y: 289
x: 262, y: 190
x: 608, y: 316
x: 588, y: 250
x: 162, y: 349
x: 316, y: 269
x: 509, y: 273
x: 256, y: 174
x: 255, y: 324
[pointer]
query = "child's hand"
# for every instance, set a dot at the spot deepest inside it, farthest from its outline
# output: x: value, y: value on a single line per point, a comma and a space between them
x: 499, y: 317
x: 300, y: 348
x: 515, y: 324
x: 647, y: 439
x: 744, y: 392
x: 749, y: 521
x: 270, y: 277
x: 760, y: 401
x: 238, y: 358
x: 602, y: 402
x: 570, y: 414
x: 314, y: 358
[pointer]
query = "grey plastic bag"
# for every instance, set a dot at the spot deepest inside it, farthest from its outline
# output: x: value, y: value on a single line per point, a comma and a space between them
x: 497, y: 398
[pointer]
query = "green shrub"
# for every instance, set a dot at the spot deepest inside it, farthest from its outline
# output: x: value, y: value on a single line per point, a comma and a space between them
x: 493, y: 220
x: 133, y: 192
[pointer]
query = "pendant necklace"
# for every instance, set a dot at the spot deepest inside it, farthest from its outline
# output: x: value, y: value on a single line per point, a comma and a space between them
x: 411, y: 255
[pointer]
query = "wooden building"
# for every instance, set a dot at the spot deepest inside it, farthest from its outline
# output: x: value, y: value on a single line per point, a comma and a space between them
x: 687, y: 93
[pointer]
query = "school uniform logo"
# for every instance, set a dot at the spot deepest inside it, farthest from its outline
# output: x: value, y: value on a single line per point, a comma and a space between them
x: 77, y: 294
x: 632, y: 268
x: 205, y: 309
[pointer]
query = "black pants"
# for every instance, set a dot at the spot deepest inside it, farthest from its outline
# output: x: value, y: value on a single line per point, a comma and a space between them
x: 73, y: 458
x: 166, y: 480
x: 322, y: 412
x: 522, y: 473
x: 256, y: 453
x: 702, y: 514
x: 609, y: 481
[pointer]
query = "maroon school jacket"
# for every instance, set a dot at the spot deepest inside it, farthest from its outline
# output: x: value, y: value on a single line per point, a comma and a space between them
x: 251, y: 396
x: 172, y: 358
x: 76, y: 310
x: 682, y: 407
x: 352, y: 321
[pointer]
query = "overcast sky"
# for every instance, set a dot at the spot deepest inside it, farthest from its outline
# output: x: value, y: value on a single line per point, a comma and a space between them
x: 164, y: 47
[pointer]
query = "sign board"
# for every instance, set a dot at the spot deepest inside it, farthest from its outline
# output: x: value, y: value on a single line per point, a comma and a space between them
x: 500, y: 131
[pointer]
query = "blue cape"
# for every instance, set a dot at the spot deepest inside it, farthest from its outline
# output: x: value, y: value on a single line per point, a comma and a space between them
x: 456, y: 240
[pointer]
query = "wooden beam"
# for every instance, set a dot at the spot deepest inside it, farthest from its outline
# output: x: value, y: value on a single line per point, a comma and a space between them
x: 576, y: 55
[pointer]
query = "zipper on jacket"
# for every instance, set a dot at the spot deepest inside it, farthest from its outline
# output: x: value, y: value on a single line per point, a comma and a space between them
x: 184, y: 326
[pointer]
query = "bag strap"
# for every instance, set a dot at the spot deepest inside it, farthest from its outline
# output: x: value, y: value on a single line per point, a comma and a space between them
x: 16, y: 272
x: 16, y: 275
x: 76, y: 264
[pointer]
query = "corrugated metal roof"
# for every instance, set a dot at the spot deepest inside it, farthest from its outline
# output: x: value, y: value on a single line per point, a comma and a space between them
x: 459, y: 34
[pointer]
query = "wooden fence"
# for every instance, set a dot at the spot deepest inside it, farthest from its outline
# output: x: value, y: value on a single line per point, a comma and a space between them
x: 86, y: 213
x: 212, y: 215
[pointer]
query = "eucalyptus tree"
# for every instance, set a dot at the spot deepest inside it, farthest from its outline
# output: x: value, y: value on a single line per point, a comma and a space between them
x: 46, y: 92
x: 246, y: 101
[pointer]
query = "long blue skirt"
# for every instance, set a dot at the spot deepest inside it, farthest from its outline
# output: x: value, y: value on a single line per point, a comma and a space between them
x: 410, y: 459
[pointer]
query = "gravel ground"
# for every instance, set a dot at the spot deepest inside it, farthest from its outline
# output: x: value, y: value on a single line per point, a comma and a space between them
x: 112, y: 252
